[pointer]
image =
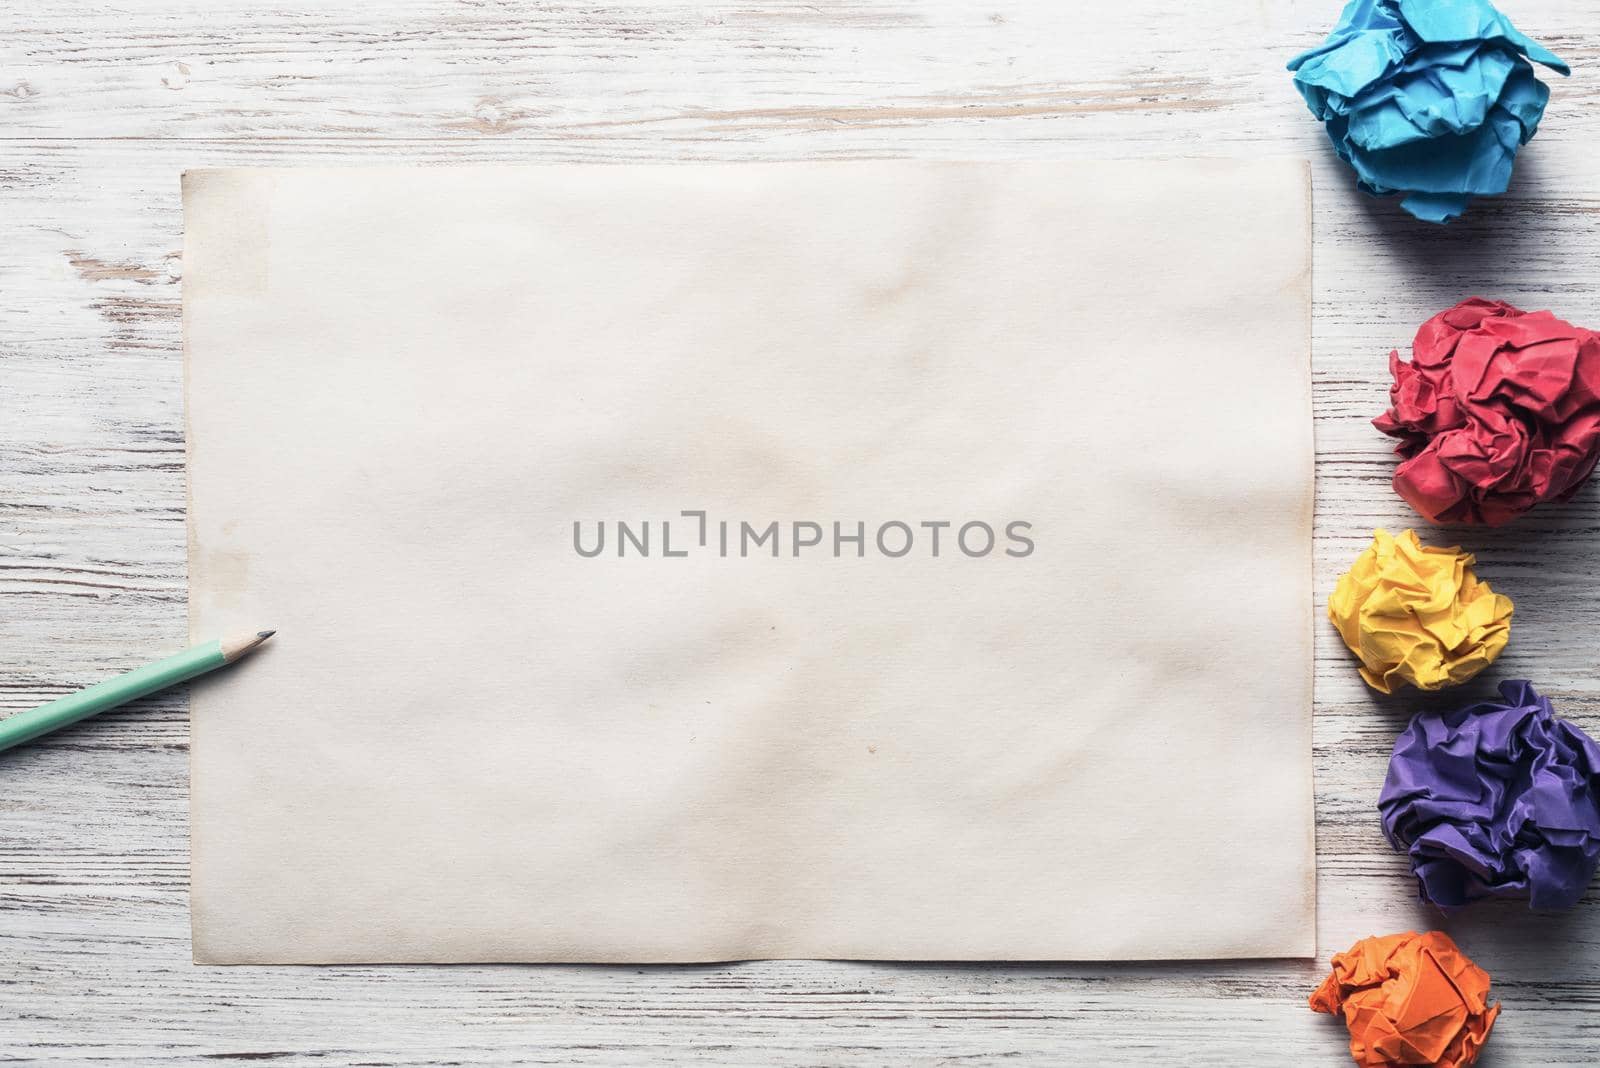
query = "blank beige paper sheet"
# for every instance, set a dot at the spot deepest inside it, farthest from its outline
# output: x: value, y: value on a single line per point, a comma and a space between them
x: 1083, y: 735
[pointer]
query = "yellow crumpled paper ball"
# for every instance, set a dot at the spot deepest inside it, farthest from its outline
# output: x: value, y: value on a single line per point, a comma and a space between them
x: 1417, y: 614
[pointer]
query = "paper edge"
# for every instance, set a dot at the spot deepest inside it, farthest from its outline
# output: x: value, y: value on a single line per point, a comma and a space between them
x: 193, y: 180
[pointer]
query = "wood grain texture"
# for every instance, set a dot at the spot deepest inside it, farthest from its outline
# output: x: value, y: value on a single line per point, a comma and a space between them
x: 102, y: 105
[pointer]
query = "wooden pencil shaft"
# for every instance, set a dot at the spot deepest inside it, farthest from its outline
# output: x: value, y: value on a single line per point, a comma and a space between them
x: 130, y: 686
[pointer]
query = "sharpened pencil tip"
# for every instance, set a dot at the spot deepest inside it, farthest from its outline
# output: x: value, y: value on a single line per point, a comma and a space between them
x: 240, y: 644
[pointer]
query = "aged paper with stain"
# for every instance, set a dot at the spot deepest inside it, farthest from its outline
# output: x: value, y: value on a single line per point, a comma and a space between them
x: 765, y: 716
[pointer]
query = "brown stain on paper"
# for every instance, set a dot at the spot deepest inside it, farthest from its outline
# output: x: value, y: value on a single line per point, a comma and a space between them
x: 226, y: 573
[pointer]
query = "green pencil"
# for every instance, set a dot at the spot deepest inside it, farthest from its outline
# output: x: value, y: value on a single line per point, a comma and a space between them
x: 26, y: 726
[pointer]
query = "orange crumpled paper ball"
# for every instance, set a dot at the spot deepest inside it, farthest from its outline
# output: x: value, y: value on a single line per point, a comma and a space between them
x: 1409, y: 999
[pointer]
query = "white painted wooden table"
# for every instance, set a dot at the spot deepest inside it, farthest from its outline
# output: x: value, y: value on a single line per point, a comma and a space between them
x: 103, y: 104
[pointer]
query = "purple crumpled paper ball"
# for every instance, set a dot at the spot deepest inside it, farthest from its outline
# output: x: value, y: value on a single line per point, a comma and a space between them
x: 1497, y: 799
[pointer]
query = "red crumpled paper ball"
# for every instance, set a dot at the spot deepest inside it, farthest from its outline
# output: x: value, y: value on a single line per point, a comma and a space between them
x: 1498, y: 410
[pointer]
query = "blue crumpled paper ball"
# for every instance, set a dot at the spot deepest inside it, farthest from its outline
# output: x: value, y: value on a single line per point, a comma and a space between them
x: 1429, y: 98
x: 1497, y: 799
